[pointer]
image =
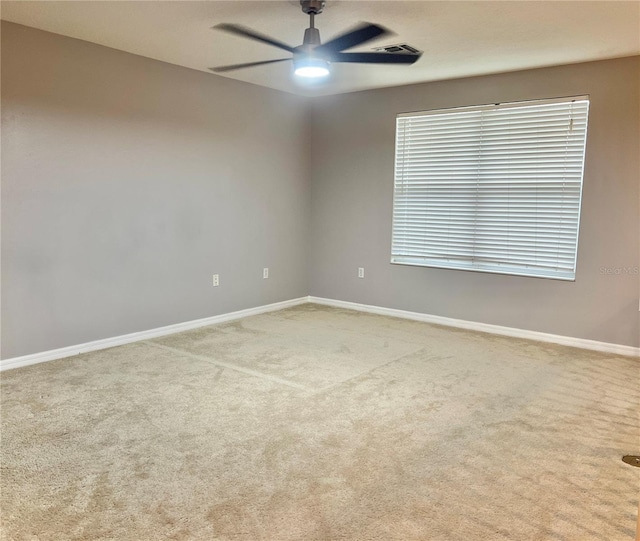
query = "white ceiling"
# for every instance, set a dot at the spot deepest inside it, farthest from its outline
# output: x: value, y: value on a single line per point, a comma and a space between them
x: 458, y: 38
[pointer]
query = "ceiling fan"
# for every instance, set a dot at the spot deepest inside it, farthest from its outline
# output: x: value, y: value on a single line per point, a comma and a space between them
x: 313, y: 58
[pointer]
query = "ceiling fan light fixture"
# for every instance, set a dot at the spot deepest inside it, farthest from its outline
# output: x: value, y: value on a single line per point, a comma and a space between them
x: 311, y: 68
x: 312, y: 59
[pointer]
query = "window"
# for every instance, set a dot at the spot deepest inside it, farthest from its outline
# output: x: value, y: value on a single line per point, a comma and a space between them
x: 493, y: 188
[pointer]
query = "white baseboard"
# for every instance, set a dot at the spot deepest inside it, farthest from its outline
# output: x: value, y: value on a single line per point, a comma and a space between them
x: 583, y: 343
x: 60, y: 353
x: 51, y: 355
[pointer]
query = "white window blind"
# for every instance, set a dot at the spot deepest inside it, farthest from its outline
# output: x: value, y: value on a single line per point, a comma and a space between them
x: 492, y: 188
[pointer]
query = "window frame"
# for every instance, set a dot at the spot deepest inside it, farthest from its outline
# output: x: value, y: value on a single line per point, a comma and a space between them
x: 421, y: 261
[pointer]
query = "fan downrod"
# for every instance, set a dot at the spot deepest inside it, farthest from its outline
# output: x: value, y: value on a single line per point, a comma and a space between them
x: 312, y: 7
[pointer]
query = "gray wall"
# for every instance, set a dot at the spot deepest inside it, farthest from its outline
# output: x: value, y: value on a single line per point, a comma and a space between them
x: 127, y: 182
x: 352, y: 191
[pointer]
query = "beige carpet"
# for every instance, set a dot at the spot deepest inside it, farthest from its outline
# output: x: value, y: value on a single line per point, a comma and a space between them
x: 316, y: 423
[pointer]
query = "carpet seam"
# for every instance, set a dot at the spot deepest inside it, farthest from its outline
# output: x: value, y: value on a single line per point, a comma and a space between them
x: 230, y: 366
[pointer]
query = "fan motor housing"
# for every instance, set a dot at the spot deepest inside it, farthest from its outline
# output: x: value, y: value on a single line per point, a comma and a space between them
x: 311, y: 38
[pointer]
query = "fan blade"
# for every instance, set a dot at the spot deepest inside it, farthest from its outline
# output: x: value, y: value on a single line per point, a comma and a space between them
x: 375, y: 58
x: 231, y: 67
x: 248, y: 33
x: 355, y: 37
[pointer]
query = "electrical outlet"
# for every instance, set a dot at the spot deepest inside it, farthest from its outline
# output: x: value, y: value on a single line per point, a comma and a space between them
x: 265, y: 272
x: 216, y: 280
x: 360, y: 272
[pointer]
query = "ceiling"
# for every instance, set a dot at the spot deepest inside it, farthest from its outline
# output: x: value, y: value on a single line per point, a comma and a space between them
x: 459, y: 38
